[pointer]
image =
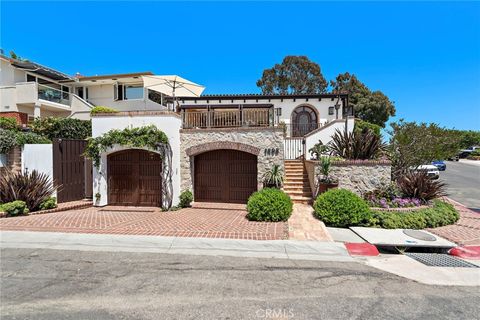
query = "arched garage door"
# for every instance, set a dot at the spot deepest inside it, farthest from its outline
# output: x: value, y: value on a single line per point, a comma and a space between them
x: 225, y: 176
x: 135, y: 178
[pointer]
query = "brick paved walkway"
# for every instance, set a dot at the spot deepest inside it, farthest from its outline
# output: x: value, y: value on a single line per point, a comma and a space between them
x: 466, y: 231
x: 203, y: 221
x: 302, y: 225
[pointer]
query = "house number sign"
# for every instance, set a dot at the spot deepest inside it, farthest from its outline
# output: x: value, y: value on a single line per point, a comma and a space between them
x: 271, y: 151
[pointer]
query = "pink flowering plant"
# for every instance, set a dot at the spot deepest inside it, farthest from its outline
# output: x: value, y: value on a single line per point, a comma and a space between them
x: 391, y: 197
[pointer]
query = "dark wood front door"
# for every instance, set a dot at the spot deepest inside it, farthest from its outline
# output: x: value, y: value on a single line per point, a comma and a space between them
x: 135, y: 178
x: 225, y: 176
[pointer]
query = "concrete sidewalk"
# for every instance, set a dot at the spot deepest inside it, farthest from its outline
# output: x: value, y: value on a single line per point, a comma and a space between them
x: 280, y: 249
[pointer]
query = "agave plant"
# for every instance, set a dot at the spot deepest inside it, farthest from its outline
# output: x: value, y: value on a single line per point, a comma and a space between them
x: 363, y: 145
x: 273, y: 177
x: 31, y: 187
x: 417, y: 184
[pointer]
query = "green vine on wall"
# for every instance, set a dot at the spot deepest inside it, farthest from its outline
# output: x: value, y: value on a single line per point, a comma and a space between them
x: 142, y: 137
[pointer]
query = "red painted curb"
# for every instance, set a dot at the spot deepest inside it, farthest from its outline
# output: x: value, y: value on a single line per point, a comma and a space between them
x: 361, y: 249
x: 466, y: 252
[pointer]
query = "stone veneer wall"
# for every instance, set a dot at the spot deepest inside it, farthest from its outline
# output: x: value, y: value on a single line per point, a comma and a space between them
x: 14, y: 160
x: 266, y: 143
x: 358, y: 176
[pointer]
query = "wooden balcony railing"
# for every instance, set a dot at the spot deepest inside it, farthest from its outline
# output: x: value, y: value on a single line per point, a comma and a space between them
x: 227, y: 118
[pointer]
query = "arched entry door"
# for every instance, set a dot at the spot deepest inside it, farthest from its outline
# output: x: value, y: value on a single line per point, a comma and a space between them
x: 135, y: 178
x: 225, y: 176
x: 304, y: 120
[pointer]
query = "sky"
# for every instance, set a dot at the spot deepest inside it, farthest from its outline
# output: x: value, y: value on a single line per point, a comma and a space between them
x: 425, y: 56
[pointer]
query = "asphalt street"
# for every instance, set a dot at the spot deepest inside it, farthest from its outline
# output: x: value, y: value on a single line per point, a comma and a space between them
x: 463, y: 183
x: 55, y: 284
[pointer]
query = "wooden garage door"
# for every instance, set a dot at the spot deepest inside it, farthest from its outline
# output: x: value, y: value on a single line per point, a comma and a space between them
x: 134, y: 178
x: 225, y: 176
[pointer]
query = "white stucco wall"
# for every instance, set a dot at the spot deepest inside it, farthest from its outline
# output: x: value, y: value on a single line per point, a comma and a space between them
x: 325, y: 134
x: 168, y: 123
x: 103, y: 95
x: 38, y: 157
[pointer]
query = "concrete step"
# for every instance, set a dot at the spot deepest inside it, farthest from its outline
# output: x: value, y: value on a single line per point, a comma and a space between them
x: 288, y: 188
x: 301, y: 199
x: 299, y: 194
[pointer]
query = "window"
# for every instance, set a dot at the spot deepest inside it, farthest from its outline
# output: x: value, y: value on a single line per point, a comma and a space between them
x: 331, y: 110
x: 133, y: 92
x: 31, y: 78
x: 127, y: 92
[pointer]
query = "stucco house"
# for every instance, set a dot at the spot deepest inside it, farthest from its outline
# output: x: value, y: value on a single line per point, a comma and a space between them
x: 221, y: 145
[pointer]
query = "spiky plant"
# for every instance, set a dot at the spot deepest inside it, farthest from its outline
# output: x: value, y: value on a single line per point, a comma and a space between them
x: 357, y: 145
x: 273, y: 177
x: 31, y: 187
x: 417, y: 184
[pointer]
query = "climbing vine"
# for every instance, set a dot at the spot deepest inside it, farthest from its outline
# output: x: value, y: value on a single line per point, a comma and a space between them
x: 149, y: 137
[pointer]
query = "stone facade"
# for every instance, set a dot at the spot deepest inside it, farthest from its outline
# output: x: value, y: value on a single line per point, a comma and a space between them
x: 265, y: 143
x: 13, y: 160
x: 357, y: 176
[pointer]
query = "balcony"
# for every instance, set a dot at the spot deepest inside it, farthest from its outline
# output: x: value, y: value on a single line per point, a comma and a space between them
x: 227, y: 118
x: 32, y: 93
x: 53, y: 95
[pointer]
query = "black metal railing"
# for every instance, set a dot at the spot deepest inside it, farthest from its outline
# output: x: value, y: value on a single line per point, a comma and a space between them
x: 301, y: 129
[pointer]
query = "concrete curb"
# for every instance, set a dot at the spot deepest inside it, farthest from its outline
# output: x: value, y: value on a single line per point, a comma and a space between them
x: 279, y: 249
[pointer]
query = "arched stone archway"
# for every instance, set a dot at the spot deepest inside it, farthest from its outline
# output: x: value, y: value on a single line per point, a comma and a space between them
x: 219, y: 145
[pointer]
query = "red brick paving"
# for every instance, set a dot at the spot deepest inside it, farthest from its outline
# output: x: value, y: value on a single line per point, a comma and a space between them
x: 466, y: 231
x: 191, y: 222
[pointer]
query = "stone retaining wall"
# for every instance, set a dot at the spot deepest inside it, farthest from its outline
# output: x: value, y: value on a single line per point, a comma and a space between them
x: 265, y: 143
x: 358, y: 176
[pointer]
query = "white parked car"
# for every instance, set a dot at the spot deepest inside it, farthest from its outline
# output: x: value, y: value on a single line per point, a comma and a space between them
x: 431, y: 170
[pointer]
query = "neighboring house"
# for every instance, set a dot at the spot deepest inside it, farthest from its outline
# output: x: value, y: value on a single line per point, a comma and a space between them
x: 29, y: 90
x: 222, y: 145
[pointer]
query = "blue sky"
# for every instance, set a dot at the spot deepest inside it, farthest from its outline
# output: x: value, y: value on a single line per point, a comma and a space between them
x: 424, y: 56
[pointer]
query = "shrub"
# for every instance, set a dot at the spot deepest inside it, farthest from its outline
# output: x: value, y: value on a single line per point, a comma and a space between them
x: 15, y: 208
x: 33, y: 188
x: 49, y: 203
x: 100, y: 109
x: 273, y: 178
x: 12, y: 138
x: 186, y: 198
x: 8, y: 123
x: 417, y: 184
x: 62, y: 128
x: 440, y: 214
x: 8, y: 140
x: 355, y: 145
x: 318, y: 150
x: 269, y: 204
x: 361, y: 126
x: 342, y: 208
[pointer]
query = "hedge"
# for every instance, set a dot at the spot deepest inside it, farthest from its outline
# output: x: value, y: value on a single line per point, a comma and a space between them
x: 440, y: 214
x: 62, y: 128
x: 342, y: 208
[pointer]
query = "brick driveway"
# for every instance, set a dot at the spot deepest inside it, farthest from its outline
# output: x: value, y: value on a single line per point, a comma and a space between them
x: 466, y: 231
x: 209, y: 221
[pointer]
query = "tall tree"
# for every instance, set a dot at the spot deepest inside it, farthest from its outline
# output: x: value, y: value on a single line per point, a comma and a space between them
x: 296, y: 74
x: 413, y: 144
x: 371, y: 106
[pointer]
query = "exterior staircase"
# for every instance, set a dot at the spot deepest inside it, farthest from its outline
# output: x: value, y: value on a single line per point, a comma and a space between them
x: 296, y: 183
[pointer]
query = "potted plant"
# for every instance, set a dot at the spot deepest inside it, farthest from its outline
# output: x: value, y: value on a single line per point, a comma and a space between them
x: 325, y: 181
x: 273, y: 178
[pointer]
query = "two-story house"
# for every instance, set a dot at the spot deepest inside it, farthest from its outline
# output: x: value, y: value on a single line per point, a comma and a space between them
x: 222, y: 145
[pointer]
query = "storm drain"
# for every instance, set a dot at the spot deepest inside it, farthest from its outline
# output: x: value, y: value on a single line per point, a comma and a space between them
x: 439, y: 260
